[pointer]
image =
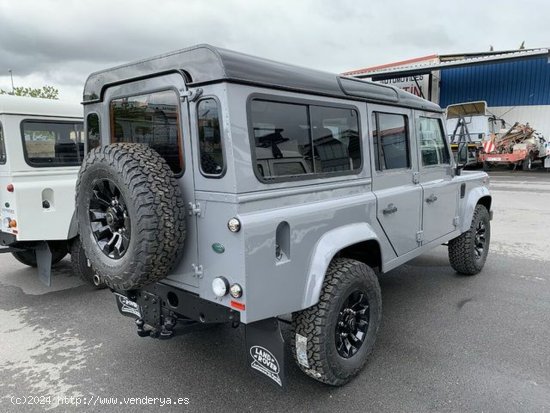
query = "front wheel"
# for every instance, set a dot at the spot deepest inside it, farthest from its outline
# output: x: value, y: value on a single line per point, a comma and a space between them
x: 468, y: 252
x: 332, y: 340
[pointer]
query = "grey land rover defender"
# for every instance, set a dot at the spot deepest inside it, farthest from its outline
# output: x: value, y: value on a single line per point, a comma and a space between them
x: 224, y: 188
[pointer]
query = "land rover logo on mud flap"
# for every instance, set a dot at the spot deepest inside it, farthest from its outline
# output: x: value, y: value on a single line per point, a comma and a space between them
x: 265, y: 363
x: 128, y: 306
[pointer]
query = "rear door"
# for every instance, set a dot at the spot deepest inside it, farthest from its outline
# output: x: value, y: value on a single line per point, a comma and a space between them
x: 394, y: 171
x: 152, y: 112
x: 440, y: 190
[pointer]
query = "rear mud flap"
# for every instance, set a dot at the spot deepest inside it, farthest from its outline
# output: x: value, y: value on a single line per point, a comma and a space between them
x: 44, y: 263
x: 266, y: 349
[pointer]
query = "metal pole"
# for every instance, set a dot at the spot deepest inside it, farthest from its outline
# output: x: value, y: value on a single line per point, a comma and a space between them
x: 12, y: 87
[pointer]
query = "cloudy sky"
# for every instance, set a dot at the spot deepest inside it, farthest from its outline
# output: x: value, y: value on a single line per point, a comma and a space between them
x: 59, y: 42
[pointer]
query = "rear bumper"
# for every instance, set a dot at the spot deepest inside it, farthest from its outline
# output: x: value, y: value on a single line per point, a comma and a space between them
x: 7, y: 239
x: 162, y: 311
x: 514, y: 157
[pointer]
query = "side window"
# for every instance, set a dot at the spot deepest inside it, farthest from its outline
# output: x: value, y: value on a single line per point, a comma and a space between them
x: 432, y: 142
x: 2, y: 147
x: 151, y: 119
x: 281, y: 135
x: 292, y: 139
x: 92, y: 131
x: 52, y: 143
x: 391, y: 141
x: 210, y: 137
x: 335, y: 139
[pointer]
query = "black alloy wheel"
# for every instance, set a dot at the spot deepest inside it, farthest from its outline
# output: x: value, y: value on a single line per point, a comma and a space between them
x: 109, y: 219
x: 352, y: 324
x: 480, y: 240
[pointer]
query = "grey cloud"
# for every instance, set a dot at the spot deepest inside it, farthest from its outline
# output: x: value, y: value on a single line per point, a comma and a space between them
x: 61, y: 42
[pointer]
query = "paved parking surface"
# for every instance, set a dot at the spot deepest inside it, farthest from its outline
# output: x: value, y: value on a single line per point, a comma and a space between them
x: 447, y: 342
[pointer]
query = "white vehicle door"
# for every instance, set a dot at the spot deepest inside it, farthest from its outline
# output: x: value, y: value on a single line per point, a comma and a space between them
x: 394, y: 176
x: 440, y: 192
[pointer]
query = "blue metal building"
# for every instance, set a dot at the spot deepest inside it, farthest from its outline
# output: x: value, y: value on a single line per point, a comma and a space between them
x: 515, y: 84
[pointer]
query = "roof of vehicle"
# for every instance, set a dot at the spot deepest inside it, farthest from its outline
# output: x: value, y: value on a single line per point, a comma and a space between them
x: 204, y: 64
x: 18, y: 105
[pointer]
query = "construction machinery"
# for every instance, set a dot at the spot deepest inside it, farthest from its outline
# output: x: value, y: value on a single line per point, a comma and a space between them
x: 471, y: 125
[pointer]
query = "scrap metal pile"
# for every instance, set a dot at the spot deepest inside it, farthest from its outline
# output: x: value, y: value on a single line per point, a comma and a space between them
x: 520, y: 145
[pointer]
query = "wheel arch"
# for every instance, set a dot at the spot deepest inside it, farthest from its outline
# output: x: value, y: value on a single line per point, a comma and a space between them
x: 358, y: 241
x: 73, y: 227
x: 478, y: 195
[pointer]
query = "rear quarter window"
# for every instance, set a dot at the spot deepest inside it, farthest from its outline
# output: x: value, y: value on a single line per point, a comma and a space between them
x: 52, y: 143
x: 295, y: 140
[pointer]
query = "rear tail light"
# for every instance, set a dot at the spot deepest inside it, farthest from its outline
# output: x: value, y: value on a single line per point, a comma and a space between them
x: 13, y: 223
x: 10, y: 188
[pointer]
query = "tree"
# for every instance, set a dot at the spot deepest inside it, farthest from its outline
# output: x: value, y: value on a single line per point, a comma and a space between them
x: 46, y: 92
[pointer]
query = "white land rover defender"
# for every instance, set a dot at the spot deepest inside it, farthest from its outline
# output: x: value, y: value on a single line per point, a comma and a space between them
x: 41, y: 149
x: 229, y: 188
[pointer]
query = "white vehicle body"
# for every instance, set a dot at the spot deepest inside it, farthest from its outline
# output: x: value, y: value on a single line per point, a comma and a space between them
x: 41, y: 149
x: 33, y: 185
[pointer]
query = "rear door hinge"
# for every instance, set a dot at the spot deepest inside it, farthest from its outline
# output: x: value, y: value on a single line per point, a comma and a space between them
x: 195, y: 209
x: 415, y: 178
x: 420, y: 237
x: 191, y: 95
x: 197, y: 269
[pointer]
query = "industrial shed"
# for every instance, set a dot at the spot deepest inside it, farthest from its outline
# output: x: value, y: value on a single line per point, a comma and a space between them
x: 515, y: 84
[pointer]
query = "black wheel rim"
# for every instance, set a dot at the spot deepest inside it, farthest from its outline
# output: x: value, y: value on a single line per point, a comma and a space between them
x: 109, y: 219
x: 480, y: 240
x: 352, y: 324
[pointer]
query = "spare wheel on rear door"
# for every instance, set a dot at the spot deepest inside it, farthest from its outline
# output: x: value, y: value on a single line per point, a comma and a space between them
x: 131, y: 215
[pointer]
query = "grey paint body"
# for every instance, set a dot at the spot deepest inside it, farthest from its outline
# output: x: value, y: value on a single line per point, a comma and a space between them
x: 323, y: 215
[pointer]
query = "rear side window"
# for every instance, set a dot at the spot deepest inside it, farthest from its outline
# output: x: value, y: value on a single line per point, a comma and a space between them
x: 210, y: 138
x: 391, y: 141
x: 432, y: 142
x: 2, y: 147
x: 52, y: 143
x: 151, y: 119
x: 301, y: 140
x: 92, y: 131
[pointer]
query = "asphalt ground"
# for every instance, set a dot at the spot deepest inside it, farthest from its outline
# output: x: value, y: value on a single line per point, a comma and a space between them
x: 447, y: 343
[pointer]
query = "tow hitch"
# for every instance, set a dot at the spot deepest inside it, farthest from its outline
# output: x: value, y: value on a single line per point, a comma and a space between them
x: 156, y: 315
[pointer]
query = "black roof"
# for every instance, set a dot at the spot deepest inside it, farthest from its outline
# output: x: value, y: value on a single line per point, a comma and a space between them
x: 205, y: 64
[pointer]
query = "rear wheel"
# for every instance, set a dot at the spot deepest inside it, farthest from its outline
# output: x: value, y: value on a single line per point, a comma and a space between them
x: 28, y: 257
x: 332, y: 340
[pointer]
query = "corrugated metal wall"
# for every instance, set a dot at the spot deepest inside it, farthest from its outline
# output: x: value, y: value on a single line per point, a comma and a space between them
x: 519, y: 83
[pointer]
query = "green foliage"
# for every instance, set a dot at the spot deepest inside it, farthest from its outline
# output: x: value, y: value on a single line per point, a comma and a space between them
x: 46, y: 92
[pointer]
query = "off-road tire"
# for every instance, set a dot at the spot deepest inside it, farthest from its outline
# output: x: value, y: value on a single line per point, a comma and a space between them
x: 155, y: 208
x: 82, y: 267
x: 28, y: 257
x: 318, y: 323
x: 462, y: 254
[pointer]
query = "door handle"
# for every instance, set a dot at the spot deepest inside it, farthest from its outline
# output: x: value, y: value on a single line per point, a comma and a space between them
x: 431, y: 199
x: 390, y: 209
